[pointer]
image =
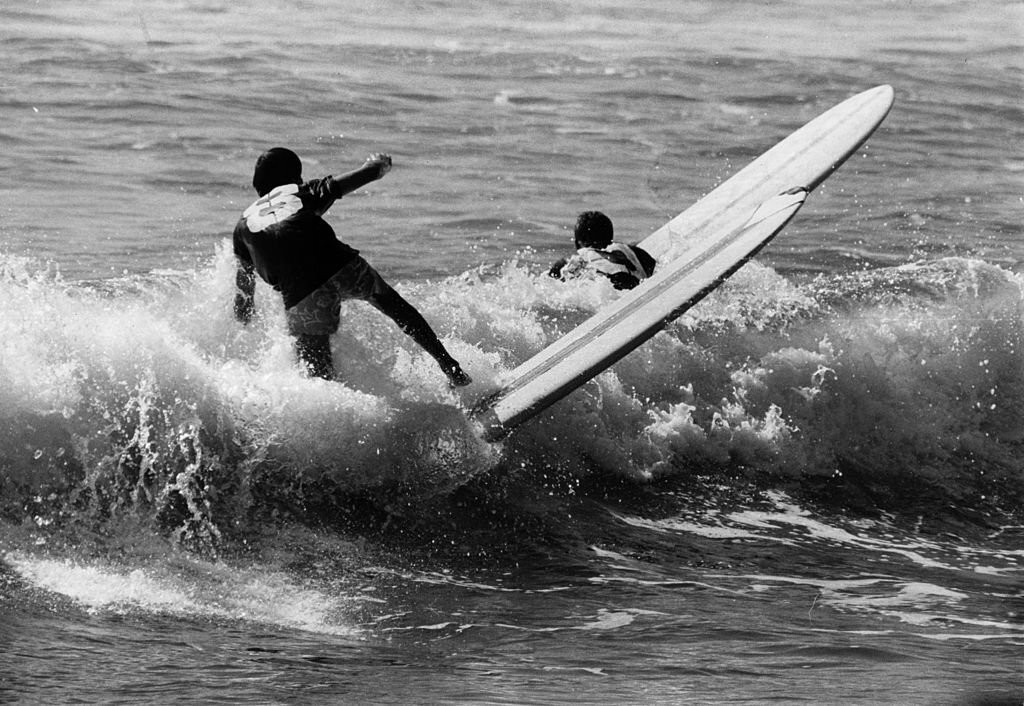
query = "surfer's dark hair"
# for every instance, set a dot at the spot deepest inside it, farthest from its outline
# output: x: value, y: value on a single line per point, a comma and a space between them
x: 275, y: 167
x: 593, y: 230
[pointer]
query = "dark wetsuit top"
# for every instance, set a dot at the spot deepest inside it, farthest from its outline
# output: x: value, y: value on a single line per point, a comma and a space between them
x: 283, y: 236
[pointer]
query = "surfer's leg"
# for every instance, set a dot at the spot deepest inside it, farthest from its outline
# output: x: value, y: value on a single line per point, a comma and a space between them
x: 367, y: 284
x: 311, y: 322
x: 411, y: 322
x: 315, y: 353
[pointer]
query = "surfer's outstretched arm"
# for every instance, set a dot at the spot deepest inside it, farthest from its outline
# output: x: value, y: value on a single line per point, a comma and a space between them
x: 375, y: 167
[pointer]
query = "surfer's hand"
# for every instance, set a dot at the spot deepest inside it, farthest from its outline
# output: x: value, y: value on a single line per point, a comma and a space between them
x: 381, y: 161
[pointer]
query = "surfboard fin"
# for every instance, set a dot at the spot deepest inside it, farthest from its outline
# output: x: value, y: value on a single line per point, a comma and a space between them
x: 790, y: 199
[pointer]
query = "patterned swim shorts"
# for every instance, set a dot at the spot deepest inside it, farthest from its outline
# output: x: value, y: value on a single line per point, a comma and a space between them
x: 319, y: 314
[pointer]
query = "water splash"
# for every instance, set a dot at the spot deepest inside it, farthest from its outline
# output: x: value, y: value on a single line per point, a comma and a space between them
x: 143, y: 396
x: 193, y: 589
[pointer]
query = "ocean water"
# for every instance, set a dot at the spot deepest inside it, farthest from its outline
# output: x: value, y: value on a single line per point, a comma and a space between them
x: 806, y: 490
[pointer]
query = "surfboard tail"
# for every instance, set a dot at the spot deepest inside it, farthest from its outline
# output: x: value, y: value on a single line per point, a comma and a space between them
x: 492, y: 430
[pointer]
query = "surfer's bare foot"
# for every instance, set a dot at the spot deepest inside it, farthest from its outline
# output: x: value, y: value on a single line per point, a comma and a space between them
x: 457, y: 377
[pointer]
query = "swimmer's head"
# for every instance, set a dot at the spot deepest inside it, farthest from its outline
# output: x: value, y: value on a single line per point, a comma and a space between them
x: 593, y: 230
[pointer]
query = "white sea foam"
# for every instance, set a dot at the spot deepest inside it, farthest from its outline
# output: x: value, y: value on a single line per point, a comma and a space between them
x: 212, y: 590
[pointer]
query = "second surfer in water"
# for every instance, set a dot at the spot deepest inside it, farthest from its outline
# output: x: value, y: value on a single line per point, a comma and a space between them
x: 596, y: 251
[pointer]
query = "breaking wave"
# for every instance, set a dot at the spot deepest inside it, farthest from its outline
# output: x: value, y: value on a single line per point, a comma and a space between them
x: 141, y: 400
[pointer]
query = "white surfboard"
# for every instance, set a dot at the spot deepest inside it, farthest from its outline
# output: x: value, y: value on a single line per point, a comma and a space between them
x: 805, y: 158
x: 696, y: 251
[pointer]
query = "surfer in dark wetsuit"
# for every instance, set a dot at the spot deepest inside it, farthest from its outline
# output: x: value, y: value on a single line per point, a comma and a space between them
x: 283, y: 238
x: 624, y: 265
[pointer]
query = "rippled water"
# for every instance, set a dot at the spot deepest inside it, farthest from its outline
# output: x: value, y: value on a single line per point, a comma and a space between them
x: 805, y: 490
